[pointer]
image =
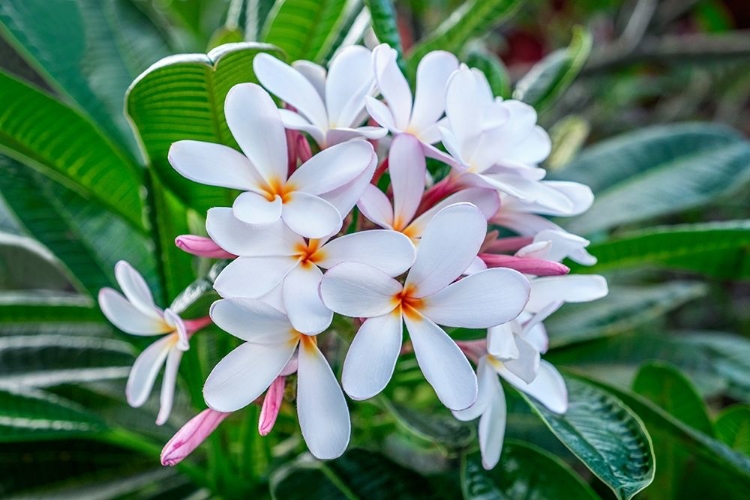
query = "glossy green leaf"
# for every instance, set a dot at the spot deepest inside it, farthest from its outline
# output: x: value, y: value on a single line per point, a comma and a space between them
x: 673, y: 392
x: 716, y: 249
x: 472, y: 19
x: 605, y: 435
x: 181, y: 98
x: 658, y: 171
x: 384, y: 23
x: 551, y: 77
x: 50, y: 136
x: 443, y: 429
x: 84, y: 236
x: 624, y: 308
x: 26, y: 265
x: 304, y: 29
x: 493, y: 68
x: 732, y: 428
x: 730, y: 354
x: 524, y: 471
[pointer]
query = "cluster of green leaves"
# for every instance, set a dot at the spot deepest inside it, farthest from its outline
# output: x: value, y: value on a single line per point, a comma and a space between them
x: 84, y: 185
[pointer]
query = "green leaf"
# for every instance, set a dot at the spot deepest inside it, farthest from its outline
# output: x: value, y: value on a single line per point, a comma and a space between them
x: 493, y: 68
x: 624, y: 308
x: 658, y: 171
x: 50, y: 136
x: 358, y: 474
x: 551, y: 77
x: 26, y: 265
x: 718, y: 249
x: 732, y: 428
x: 34, y: 415
x: 304, y: 29
x: 182, y: 97
x: 22, y: 307
x: 385, y: 24
x: 668, y: 388
x: 524, y: 471
x: 84, y: 236
x: 472, y: 19
x: 605, y: 435
x: 568, y: 137
x: 730, y: 355
x: 442, y: 429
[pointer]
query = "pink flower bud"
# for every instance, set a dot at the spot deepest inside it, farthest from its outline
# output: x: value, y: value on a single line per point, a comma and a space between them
x: 537, y: 267
x: 202, y: 247
x: 271, y: 406
x: 191, y: 435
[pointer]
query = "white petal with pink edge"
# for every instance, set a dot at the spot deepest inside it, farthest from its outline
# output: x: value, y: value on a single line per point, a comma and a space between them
x: 375, y: 205
x: 406, y: 164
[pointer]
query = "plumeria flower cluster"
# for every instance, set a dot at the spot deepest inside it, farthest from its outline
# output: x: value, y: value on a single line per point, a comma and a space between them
x: 318, y: 230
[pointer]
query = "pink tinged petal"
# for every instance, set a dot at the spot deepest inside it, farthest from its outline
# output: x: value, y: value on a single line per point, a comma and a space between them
x: 289, y: 85
x: 526, y: 365
x: 126, y: 317
x: 168, y: 384
x: 432, y: 76
x: 536, y: 250
x: 201, y: 246
x: 406, y: 164
x: 271, y: 406
x: 174, y: 320
x: 485, y: 376
x: 448, y: 246
x: 315, y: 74
x: 492, y: 426
x: 214, y: 165
x: 537, y: 267
x: 291, y: 366
x: 311, y: 216
x: 194, y: 325
x: 252, y: 320
x: 501, y: 342
x: 376, y: 206
x: 145, y: 369
x: 573, y: 288
x: 339, y: 135
x: 380, y: 113
x: 256, y: 209
x: 350, y: 79
x: 332, y: 167
x: 191, y: 435
x: 256, y: 125
x: 135, y: 289
x: 302, y: 302
x: 244, y: 374
x: 393, y: 85
x: 321, y: 407
x: 295, y: 121
x: 253, y: 277
x: 443, y: 364
x: 249, y: 240
x: 482, y: 300
x: 372, y: 356
x: 386, y: 250
x: 453, y: 146
x: 548, y: 387
x: 358, y: 290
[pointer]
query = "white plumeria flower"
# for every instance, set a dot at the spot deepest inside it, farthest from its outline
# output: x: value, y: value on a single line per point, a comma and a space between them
x: 270, y: 342
x: 428, y: 297
x: 136, y: 314
x: 273, y: 255
x: 407, y: 169
x: 402, y: 114
x: 330, y: 106
x: 304, y: 200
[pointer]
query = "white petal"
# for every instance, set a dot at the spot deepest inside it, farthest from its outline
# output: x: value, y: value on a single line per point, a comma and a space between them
x: 174, y: 320
x: 315, y: 74
x: 345, y: 197
x: 501, y: 342
x: 376, y: 206
x: 380, y: 113
x: 292, y: 87
x: 561, y: 243
x: 243, y: 374
x: 487, y: 298
x: 321, y: 407
x: 485, y: 376
x: 350, y: 78
x: 526, y: 366
x: 332, y: 167
x: 534, y: 148
x: 294, y: 121
x: 251, y: 320
x: 448, y: 246
x: 406, y: 164
x: 537, y: 337
x: 310, y: 216
x: 464, y: 111
x: 256, y: 209
x: 372, y: 356
x: 579, y: 194
x: 432, y: 76
x: 241, y: 238
x: 443, y: 364
x: 303, y: 304
x: 486, y: 200
x: 359, y: 290
x: 256, y: 125
x: 571, y: 288
x: 168, y: 384
x: 214, y: 165
x: 135, y: 289
x: 126, y: 317
x: 476, y: 266
x: 388, y: 251
x: 253, y: 277
x: 548, y: 387
x: 530, y: 191
x: 145, y: 369
x: 392, y: 84
x: 492, y: 427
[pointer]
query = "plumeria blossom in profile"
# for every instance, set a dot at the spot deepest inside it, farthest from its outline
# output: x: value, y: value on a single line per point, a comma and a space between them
x: 270, y: 344
x: 305, y: 200
x: 327, y: 105
x: 137, y: 314
x: 273, y: 255
x: 427, y: 298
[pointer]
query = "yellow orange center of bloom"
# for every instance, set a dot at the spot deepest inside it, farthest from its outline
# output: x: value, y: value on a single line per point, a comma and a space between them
x: 277, y: 187
x: 309, y: 254
x: 406, y: 303
x: 307, y: 342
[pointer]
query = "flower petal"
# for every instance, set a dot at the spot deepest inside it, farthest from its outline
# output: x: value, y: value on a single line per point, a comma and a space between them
x: 432, y: 77
x: 321, y: 407
x: 271, y: 405
x: 145, y: 369
x: 135, y: 289
x: 406, y: 164
x: 372, y: 356
x: 486, y: 200
x: 571, y: 288
x: 253, y: 277
x: 492, y: 427
x: 191, y: 435
x: 214, y: 165
x: 311, y: 216
x: 358, y: 290
x: 463, y: 108
x: 315, y: 74
x: 376, y: 206
x: 443, y: 364
x: 168, y: 384
x: 383, y: 249
x: 332, y: 167
x: 380, y: 113
x: 251, y: 320
x: 246, y: 240
x: 302, y: 301
x: 126, y: 317
x: 243, y: 374
x: 485, y: 376
x: 350, y: 79
x: 393, y: 85
x: 487, y: 298
x: 256, y: 209
x: 526, y: 366
x: 448, y: 246
x: 501, y: 342
x: 294, y: 121
x: 345, y: 197
x: 548, y: 387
